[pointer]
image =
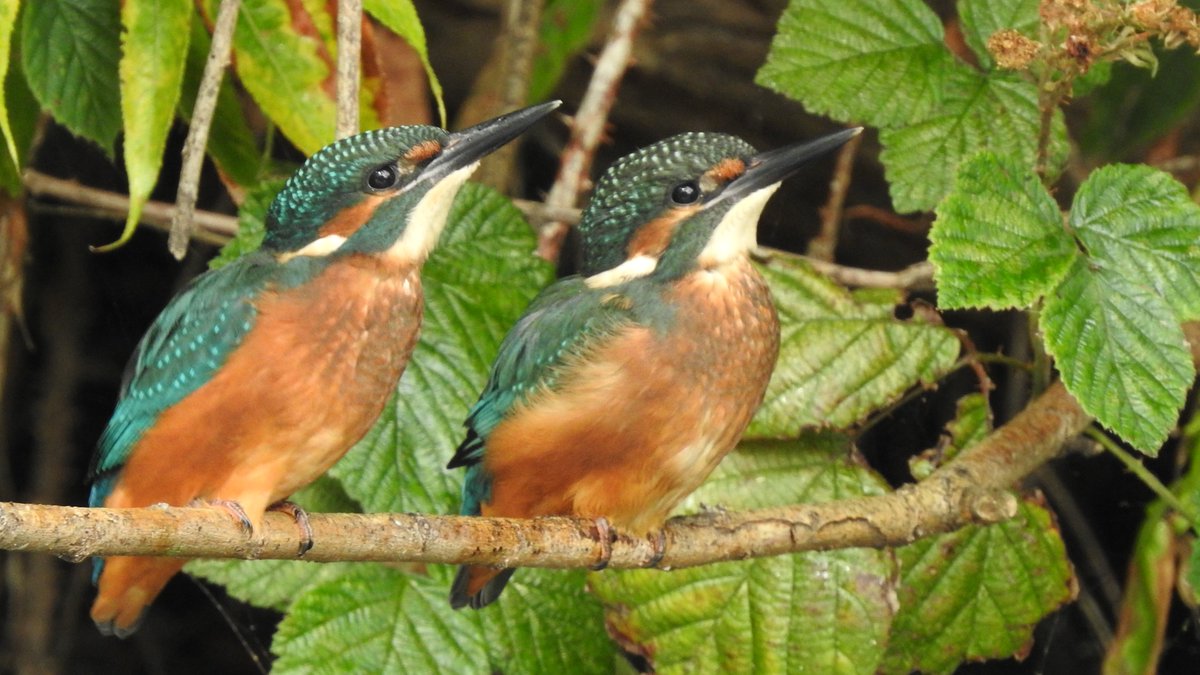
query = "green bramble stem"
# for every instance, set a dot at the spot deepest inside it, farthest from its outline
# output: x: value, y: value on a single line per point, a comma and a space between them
x: 1138, y: 469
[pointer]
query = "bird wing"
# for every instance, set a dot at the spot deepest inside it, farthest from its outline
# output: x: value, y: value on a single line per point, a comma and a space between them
x: 566, y: 319
x: 186, y: 344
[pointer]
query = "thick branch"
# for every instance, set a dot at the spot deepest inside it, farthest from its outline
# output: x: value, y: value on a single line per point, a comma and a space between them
x: 588, y: 124
x: 349, y: 55
x: 183, y: 224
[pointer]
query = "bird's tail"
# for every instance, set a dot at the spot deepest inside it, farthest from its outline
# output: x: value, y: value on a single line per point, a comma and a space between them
x: 126, y: 587
x: 478, y: 586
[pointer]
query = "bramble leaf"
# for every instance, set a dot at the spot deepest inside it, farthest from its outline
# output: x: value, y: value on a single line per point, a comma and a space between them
x: 401, y: 18
x: 841, y: 356
x: 998, y: 240
x: 1121, y: 352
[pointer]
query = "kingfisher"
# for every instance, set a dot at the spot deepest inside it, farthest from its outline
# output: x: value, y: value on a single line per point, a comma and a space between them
x: 620, y: 389
x: 261, y: 374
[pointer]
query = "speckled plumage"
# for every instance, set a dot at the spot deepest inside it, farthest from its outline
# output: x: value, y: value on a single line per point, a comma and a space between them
x: 263, y: 373
x: 618, y: 392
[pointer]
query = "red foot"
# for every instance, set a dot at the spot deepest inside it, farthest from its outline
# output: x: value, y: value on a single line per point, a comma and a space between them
x: 301, y: 517
x: 659, y: 541
x: 231, y: 507
x: 604, y: 537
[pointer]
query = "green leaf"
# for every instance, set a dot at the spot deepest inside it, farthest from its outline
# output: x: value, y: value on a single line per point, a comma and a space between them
x: 284, y: 72
x: 1142, y: 223
x: 546, y: 623
x: 998, y: 240
x: 477, y: 283
x: 1121, y: 352
x: 70, y: 50
x: 8, y: 20
x: 276, y: 583
x: 400, y: 17
x: 878, y: 63
x: 22, y: 118
x: 997, y: 112
x: 813, y: 612
x: 841, y: 357
x: 378, y: 620
x: 977, y: 593
x: 154, y: 42
x: 566, y: 29
x: 982, y: 18
x: 251, y: 223
x: 231, y: 143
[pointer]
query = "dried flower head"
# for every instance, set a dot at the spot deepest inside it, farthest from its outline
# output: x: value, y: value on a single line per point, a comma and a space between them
x: 1011, y: 50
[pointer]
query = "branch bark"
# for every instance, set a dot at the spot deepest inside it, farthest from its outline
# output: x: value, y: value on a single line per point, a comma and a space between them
x: 183, y: 222
x: 588, y: 124
x: 349, y: 56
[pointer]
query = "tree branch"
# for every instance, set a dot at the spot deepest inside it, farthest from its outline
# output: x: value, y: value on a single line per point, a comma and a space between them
x: 588, y: 124
x: 183, y: 222
x: 216, y: 228
x: 972, y: 488
x: 349, y: 56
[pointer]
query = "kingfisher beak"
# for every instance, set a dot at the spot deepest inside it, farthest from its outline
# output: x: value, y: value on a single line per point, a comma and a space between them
x: 470, y: 145
x: 768, y: 168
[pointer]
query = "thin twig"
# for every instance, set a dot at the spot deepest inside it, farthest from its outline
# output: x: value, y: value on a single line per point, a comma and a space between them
x: 219, y: 227
x: 1151, y: 481
x: 183, y: 224
x: 588, y: 124
x: 887, y: 219
x: 918, y: 276
x: 349, y: 55
x: 823, y: 245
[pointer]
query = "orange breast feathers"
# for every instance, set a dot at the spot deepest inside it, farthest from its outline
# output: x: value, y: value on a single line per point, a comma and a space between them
x: 639, y: 423
x: 305, y: 385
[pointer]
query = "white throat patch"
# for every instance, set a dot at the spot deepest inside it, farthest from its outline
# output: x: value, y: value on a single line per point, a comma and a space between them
x: 428, y: 217
x: 637, y: 266
x: 317, y: 248
x: 737, y: 233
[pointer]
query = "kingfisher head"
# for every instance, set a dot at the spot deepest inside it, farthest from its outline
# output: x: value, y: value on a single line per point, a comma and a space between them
x: 383, y: 191
x: 692, y: 199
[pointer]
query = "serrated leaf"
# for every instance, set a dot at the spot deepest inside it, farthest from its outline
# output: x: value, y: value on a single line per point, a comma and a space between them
x: 251, y: 223
x: 882, y: 64
x: 1121, y: 352
x: 477, y: 283
x: 8, y: 21
x: 154, y: 40
x: 231, y: 143
x: 813, y: 612
x: 998, y: 240
x: 566, y: 29
x: 995, y: 111
x: 400, y: 17
x: 378, y: 620
x: 284, y: 72
x: 546, y: 623
x: 841, y: 357
x: 982, y: 18
x: 1142, y: 223
x: 977, y: 593
x: 276, y: 583
x: 22, y: 117
x: 70, y: 53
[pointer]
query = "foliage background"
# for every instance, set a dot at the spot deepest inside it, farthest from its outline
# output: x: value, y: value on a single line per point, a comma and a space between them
x: 85, y: 313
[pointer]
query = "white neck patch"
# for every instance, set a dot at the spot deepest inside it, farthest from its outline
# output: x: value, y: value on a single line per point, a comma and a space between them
x: 428, y: 218
x: 317, y: 248
x: 737, y: 233
x: 637, y: 266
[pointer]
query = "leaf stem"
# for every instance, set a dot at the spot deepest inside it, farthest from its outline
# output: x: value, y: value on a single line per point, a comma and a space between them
x: 1149, y: 479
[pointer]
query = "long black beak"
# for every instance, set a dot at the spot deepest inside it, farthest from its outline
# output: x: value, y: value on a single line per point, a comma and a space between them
x: 470, y: 145
x: 772, y: 166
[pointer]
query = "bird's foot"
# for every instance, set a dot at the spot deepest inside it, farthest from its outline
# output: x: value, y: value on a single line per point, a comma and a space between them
x: 659, y: 541
x: 604, y: 536
x: 301, y: 517
x: 231, y: 507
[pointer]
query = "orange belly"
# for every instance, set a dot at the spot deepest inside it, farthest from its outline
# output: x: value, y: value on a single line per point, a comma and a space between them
x: 641, y: 423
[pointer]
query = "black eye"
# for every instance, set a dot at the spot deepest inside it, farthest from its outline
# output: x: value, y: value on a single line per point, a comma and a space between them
x: 685, y: 193
x: 382, y: 178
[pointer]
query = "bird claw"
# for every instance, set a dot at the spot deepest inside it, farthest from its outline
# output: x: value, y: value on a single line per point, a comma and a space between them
x: 604, y: 537
x: 300, y: 516
x: 232, y: 508
x: 659, y: 542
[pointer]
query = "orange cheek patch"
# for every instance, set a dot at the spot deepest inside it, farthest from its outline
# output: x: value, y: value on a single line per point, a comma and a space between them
x: 652, y: 238
x: 422, y: 152
x: 350, y: 219
x: 726, y: 170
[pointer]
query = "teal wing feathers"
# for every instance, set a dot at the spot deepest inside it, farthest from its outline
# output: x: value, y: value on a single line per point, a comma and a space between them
x: 187, y: 343
x: 564, y: 321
